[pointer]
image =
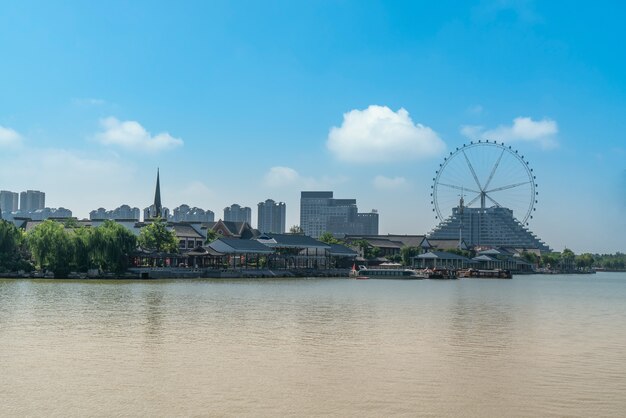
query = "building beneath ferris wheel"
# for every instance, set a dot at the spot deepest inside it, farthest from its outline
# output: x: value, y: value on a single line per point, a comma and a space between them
x: 488, y: 227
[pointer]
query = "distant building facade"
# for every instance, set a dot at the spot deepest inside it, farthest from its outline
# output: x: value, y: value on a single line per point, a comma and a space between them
x: 47, y: 213
x: 184, y: 213
x: 236, y: 213
x: 320, y: 212
x: 123, y: 212
x: 271, y: 217
x: 489, y: 227
x: 151, y: 212
x: 9, y: 201
x: 32, y: 200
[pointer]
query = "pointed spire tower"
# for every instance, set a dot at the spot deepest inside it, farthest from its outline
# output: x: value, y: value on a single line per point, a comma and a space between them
x: 158, y: 208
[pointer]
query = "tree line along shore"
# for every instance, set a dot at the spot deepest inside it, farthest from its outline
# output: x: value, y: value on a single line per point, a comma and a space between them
x: 61, y: 248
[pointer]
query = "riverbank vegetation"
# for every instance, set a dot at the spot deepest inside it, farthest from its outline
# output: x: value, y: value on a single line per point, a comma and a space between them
x: 62, y: 248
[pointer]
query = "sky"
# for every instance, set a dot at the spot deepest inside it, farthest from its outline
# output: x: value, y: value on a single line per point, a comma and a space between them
x: 241, y: 101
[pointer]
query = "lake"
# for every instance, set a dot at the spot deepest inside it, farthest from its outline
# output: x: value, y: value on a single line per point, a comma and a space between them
x: 531, y: 346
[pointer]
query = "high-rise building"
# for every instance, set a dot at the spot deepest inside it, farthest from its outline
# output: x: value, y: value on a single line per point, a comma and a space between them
x: 184, y: 213
x: 320, y: 212
x: 124, y: 212
x: 9, y: 201
x: 46, y: 213
x: 236, y: 213
x: 31, y: 200
x: 271, y: 217
x: 492, y: 227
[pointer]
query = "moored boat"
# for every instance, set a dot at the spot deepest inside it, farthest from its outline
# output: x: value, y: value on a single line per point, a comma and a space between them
x: 484, y: 274
x: 386, y: 273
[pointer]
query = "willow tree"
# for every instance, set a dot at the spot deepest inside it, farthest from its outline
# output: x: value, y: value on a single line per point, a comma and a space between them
x: 110, y: 246
x: 12, y: 248
x: 51, y: 247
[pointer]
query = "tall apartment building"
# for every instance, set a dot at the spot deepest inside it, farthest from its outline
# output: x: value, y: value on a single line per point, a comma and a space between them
x: 271, y: 217
x: 31, y: 200
x: 236, y: 213
x: 8, y: 201
x: 320, y: 212
x: 46, y: 213
x: 124, y: 212
x: 184, y: 213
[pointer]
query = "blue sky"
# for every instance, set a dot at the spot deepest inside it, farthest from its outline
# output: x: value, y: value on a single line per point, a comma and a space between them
x: 236, y: 102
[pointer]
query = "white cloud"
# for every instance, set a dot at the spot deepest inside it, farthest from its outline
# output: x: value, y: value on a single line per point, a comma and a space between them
x: 542, y: 132
x: 281, y: 177
x: 389, y: 183
x: 378, y: 134
x: 9, y: 138
x: 288, y: 178
x: 131, y: 135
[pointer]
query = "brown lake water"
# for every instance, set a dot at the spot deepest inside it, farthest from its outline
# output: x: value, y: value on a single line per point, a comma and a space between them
x: 531, y: 346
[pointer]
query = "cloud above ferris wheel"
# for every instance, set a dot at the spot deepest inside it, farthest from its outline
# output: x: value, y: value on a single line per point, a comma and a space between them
x: 524, y: 129
x: 378, y: 134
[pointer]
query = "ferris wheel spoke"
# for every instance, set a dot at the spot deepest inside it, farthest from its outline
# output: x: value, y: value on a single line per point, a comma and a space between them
x: 510, y: 186
x: 496, y: 203
x: 452, y: 186
x: 472, y: 170
x: 493, y: 170
x: 471, y: 202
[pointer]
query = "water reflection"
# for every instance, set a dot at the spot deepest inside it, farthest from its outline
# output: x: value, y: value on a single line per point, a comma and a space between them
x: 313, y: 347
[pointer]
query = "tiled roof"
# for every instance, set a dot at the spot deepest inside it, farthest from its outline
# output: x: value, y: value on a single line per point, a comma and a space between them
x: 342, y: 251
x: 183, y: 230
x: 444, y: 244
x: 239, y: 246
x: 291, y: 241
x: 442, y: 255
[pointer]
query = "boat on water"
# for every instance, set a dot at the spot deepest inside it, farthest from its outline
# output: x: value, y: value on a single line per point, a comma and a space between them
x: 484, y: 274
x: 354, y: 274
x: 388, y: 273
x: 439, y: 274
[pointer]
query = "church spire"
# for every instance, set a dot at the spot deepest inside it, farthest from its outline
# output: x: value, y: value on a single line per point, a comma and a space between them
x: 157, y: 198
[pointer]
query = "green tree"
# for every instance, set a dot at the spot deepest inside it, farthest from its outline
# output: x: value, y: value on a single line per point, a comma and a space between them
x: 211, y: 236
x: 530, y: 257
x: 584, y: 261
x: 112, y: 244
x: 155, y: 236
x: 81, y: 242
x: 296, y: 229
x: 328, y: 238
x: 551, y: 260
x: 367, y: 250
x: 51, y: 247
x: 12, y: 248
x: 407, y: 253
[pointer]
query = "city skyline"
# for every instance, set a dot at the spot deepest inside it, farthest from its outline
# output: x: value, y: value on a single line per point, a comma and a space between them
x: 365, y: 99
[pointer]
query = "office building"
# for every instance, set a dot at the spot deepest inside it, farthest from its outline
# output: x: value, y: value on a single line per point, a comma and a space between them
x: 271, y: 217
x: 236, y: 213
x: 320, y: 212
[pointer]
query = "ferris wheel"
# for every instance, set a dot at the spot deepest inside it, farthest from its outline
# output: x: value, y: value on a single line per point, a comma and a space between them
x: 485, y: 174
